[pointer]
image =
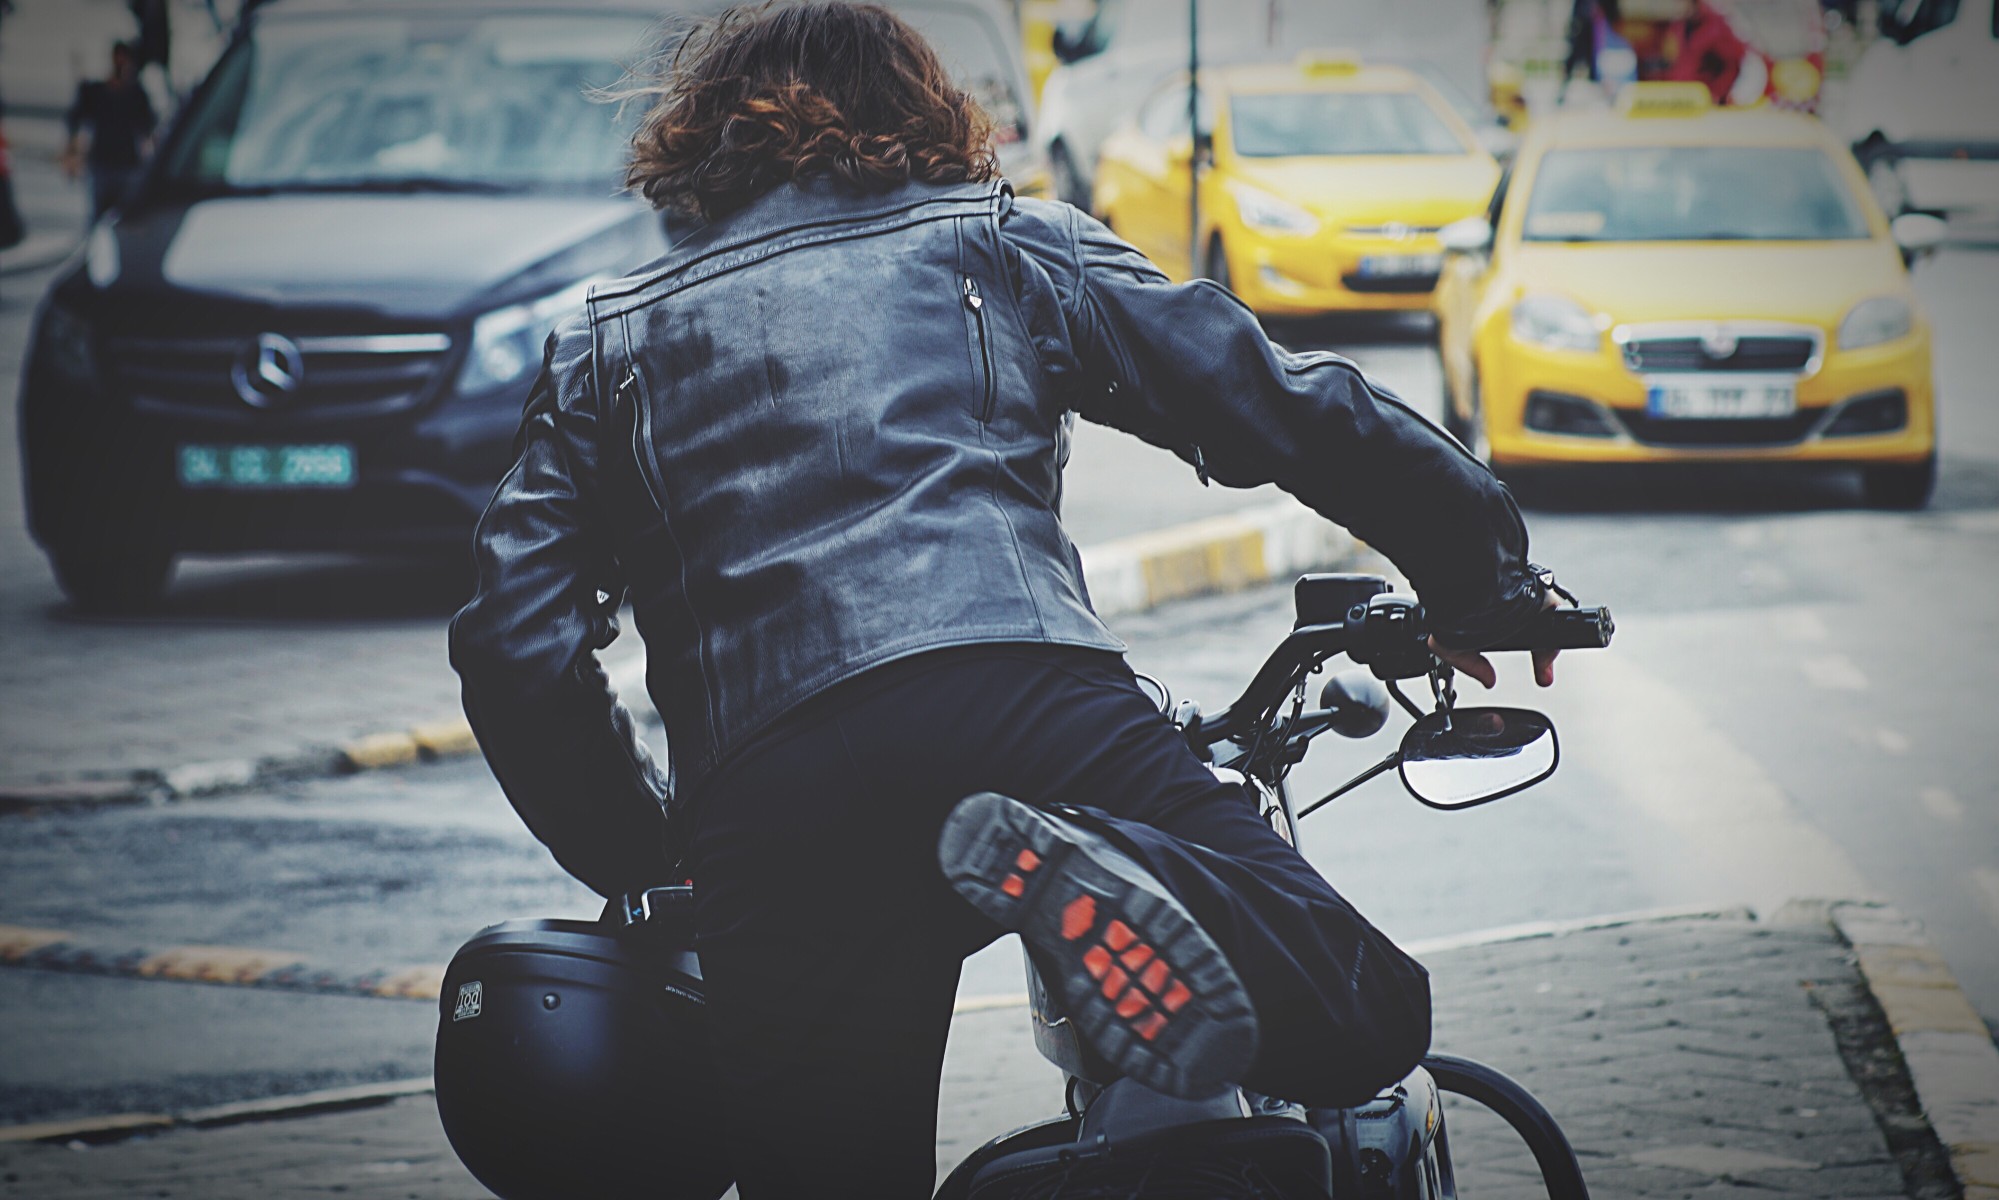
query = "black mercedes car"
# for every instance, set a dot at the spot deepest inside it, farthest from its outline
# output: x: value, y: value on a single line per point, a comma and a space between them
x: 313, y: 324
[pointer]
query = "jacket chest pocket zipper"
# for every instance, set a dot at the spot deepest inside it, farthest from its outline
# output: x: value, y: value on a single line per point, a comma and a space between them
x: 977, y: 303
x: 630, y: 387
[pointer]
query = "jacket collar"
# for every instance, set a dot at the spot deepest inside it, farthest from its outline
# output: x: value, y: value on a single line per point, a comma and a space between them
x: 819, y: 202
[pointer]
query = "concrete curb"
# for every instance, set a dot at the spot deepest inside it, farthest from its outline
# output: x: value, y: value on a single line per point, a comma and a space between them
x: 1943, y: 1041
x: 1203, y: 558
x: 118, y: 1126
x: 1130, y: 575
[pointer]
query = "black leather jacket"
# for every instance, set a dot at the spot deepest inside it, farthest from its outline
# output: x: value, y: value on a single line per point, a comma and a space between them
x: 828, y: 431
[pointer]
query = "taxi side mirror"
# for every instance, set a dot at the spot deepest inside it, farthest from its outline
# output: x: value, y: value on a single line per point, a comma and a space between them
x: 1071, y: 41
x: 1918, y: 234
x: 1473, y: 235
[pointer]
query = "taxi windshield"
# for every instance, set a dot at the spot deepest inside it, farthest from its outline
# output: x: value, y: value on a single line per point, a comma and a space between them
x: 1320, y: 124
x: 391, y: 102
x: 1691, y: 193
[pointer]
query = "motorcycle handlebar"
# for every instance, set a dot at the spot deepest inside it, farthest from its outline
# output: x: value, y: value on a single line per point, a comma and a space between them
x: 1556, y: 629
x: 1563, y: 629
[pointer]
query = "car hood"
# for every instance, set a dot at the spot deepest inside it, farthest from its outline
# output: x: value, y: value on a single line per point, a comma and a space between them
x: 417, y: 256
x: 1811, y: 282
x: 1413, y: 190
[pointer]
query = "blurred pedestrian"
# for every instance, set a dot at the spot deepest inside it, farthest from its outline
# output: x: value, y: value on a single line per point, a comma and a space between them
x: 154, y: 44
x: 13, y: 230
x: 111, y: 125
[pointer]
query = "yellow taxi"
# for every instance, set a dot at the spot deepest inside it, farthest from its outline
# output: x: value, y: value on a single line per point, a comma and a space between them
x: 1669, y: 281
x: 1324, y: 186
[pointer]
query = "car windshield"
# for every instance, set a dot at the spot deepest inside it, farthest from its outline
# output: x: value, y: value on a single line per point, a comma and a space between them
x: 1316, y: 124
x: 1691, y: 193
x: 469, y: 101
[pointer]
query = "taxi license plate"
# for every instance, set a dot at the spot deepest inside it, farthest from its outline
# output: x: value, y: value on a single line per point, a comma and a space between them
x: 1710, y: 399
x: 1399, y: 266
x: 322, y: 465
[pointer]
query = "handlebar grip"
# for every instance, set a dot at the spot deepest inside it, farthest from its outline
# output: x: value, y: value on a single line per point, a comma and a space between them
x: 1563, y: 629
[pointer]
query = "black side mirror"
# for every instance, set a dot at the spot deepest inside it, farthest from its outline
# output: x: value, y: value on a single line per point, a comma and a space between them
x: 1071, y: 41
x: 1465, y: 757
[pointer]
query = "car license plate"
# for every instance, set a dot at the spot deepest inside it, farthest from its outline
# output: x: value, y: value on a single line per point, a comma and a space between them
x: 1400, y: 266
x: 324, y: 465
x: 1725, y: 399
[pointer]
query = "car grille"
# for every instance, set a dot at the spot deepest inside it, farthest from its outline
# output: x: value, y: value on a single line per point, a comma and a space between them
x: 1390, y: 284
x: 1759, y: 352
x: 1680, y: 431
x: 341, y: 376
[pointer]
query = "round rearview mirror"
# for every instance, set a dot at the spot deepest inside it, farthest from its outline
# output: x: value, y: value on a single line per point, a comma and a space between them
x: 1465, y: 757
x: 1469, y: 236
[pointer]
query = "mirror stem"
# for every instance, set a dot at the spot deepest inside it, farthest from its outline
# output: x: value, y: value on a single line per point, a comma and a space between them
x: 1381, y: 768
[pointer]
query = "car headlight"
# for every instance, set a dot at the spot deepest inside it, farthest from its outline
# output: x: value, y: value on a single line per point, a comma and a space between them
x: 1871, y: 322
x: 66, y: 347
x: 100, y: 257
x: 1261, y: 210
x: 507, y: 342
x: 1556, y: 323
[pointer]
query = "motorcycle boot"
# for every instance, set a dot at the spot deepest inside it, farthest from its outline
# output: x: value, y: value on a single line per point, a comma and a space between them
x: 1146, y: 985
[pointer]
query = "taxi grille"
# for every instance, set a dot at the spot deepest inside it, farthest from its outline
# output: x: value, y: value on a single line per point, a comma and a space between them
x: 342, y: 376
x: 1680, y: 431
x: 1390, y: 284
x: 1790, y: 353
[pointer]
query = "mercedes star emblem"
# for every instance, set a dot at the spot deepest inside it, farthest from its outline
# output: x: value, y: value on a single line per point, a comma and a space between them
x: 269, y: 372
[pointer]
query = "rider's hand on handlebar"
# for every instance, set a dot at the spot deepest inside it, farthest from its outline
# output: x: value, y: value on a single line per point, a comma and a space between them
x: 1479, y: 667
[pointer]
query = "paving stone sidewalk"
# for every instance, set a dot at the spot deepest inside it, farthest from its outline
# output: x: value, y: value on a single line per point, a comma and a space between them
x: 1686, y: 1058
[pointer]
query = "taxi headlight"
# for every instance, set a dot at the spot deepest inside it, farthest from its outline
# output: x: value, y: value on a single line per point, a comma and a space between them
x: 507, y: 342
x: 1556, y: 323
x: 1263, y: 211
x: 1872, y: 322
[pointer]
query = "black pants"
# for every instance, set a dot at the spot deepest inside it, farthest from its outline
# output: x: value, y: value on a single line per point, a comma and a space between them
x: 832, y: 946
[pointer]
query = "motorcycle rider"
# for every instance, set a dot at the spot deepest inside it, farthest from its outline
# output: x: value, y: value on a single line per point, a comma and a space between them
x: 820, y: 444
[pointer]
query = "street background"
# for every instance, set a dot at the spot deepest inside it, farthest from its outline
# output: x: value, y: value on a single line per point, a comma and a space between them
x: 1797, y: 706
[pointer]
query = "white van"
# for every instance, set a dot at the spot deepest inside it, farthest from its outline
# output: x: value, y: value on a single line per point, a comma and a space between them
x: 1922, y: 106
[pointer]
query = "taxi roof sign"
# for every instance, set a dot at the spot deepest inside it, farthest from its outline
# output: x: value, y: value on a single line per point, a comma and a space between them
x: 1328, y: 64
x: 1675, y: 98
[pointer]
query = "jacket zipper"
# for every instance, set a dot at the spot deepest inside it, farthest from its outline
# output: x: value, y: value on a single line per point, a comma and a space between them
x: 642, y: 440
x: 977, y: 303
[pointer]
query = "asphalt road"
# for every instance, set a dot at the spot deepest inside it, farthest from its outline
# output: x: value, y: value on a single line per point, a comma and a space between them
x: 1796, y: 707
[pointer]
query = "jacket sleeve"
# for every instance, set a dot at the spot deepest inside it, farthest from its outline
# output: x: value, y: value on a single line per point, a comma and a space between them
x: 1189, y: 369
x: 563, y: 748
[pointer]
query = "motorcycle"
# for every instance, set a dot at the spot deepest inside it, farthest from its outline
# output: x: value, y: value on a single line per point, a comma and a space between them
x: 1114, y: 1137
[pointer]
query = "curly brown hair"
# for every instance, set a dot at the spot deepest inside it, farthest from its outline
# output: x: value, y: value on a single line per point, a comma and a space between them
x: 769, y: 94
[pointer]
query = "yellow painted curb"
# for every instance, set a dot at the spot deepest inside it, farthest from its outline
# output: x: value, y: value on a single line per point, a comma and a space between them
x: 17, y: 942
x: 379, y: 750
x: 1929, y: 1010
x: 1225, y: 561
x: 445, y: 739
x: 63, y: 1131
x: 1977, y: 1166
x: 1905, y: 966
x: 416, y: 983
x: 214, y: 964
